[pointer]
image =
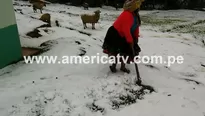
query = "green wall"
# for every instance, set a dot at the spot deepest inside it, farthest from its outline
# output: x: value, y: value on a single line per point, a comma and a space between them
x: 10, y: 48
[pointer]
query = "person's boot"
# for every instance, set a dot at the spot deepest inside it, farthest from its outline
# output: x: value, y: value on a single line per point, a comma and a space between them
x: 113, y: 68
x: 123, y: 69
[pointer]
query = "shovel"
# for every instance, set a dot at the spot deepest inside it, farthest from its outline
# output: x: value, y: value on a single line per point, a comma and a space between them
x: 137, y: 80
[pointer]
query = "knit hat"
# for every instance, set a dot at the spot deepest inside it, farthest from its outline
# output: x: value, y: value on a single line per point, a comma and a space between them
x: 132, y: 5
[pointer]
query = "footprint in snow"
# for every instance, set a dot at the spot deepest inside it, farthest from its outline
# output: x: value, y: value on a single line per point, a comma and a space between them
x: 62, y: 11
x: 193, y: 81
x: 82, y: 52
x: 189, y: 74
x: 43, y: 78
x: 79, y: 43
x: 151, y: 66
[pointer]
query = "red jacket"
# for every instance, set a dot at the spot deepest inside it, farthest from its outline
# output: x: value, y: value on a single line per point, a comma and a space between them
x: 123, y: 25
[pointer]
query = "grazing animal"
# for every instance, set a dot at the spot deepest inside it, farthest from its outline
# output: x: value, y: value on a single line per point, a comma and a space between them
x: 88, y: 18
x: 46, y: 18
x: 85, y: 5
x: 38, y: 5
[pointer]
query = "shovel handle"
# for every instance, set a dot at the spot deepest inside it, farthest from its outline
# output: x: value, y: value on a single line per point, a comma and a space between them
x: 138, y: 81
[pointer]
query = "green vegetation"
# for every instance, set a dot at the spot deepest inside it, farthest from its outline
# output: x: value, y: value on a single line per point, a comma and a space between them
x: 159, y: 22
x: 170, y: 24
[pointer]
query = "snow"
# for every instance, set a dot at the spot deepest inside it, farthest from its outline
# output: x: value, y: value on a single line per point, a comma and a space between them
x: 90, y: 89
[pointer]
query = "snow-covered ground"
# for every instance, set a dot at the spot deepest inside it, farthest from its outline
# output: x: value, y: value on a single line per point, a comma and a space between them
x: 91, y: 89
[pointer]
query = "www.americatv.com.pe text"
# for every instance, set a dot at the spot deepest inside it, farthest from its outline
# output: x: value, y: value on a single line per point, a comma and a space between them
x: 102, y: 59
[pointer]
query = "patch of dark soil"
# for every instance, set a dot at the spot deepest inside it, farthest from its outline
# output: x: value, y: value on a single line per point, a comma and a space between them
x: 62, y: 11
x: 202, y: 65
x: 57, y: 23
x: 45, y: 30
x: 189, y: 74
x: 123, y: 101
x: 82, y: 52
x: 18, y: 10
x: 4, y: 73
x: 16, y: 4
x: 47, y: 45
x: 34, y: 17
x: 168, y: 30
x: 69, y: 28
x: 44, y: 25
x: 180, y: 26
x: 26, y: 5
x: 34, y: 34
x: 43, y: 78
x: 167, y: 67
x: 78, y: 42
x: 151, y: 66
x: 85, y: 33
x: 26, y: 51
x: 70, y: 14
x: 186, y: 43
x: 203, y: 41
x: 88, y: 34
x: 131, y: 97
x: 199, y: 22
x: 147, y: 87
x: 95, y: 108
x: 194, y: 81
x: 38, y: 109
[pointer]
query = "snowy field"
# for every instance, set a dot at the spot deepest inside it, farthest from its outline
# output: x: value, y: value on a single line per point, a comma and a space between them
x: 91, y: 89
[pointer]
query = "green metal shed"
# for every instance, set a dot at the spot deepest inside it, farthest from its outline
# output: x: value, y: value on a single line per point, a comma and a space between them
x: 10, y: 48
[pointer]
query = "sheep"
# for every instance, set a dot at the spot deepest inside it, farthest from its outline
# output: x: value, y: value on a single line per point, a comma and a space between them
x: 87, y: 18
x: 46, y: 18
x: 44, y: 4
x: 38, y: 5
x: 85, y: 5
